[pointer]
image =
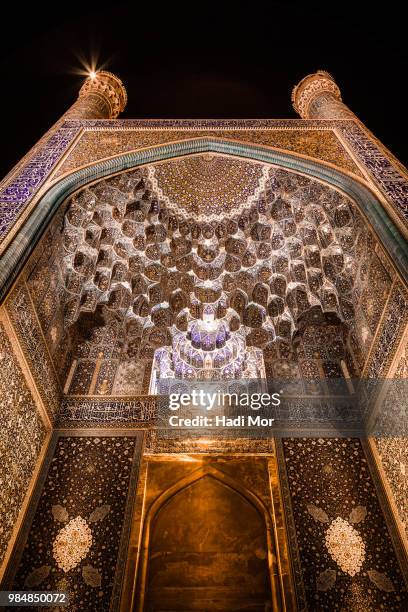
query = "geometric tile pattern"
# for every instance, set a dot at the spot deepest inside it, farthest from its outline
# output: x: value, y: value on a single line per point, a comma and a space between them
x: 142, y: 267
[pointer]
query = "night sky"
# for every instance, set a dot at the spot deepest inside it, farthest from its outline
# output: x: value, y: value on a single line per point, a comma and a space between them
x: 209, y: 60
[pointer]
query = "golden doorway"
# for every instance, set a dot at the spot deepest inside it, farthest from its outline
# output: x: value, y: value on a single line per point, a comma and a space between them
x: 208, y: 544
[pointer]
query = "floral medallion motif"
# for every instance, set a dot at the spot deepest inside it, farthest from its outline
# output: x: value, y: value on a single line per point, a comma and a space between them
x: 72, y: 544
x: 82, y: 505
x: 345, y: 546
x: 346, y: 554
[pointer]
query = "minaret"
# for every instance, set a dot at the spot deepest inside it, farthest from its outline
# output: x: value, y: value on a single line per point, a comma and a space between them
x: 317, y: 96
x: 102, y: 96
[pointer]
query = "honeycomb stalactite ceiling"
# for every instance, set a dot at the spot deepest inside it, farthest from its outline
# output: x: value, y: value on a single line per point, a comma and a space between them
x: 264, y: 265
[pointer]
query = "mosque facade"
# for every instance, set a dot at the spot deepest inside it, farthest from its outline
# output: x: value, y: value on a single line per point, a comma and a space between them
x: 143, y: 253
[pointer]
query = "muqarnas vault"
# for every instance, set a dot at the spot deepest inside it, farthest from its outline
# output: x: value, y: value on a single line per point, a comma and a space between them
x: 187, y: 249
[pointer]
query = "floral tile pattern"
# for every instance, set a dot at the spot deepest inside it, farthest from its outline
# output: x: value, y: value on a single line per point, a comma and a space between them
x: 73, y: 542
x: 310, y: 140
x: 346, y: 553
x: 391, y: 330
x: 393, y: 184
x: 394, y: 450
x: 29, y: 333
x: 15, y: 195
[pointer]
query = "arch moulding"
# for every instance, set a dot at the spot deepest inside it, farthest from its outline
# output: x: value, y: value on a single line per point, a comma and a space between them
x: 22, y: 246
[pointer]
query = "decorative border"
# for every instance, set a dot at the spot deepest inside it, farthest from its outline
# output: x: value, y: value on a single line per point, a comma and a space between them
x: 17, y: 193
x: 21, y: 539
x: 30, y: 460
x: 291, y: 529
x: 384, y: 502
x: 156, y: 446
x: 391, y: 182
x: 19, y: 188
x: 127, y: 523
x: 200, y: 124
x: 136, y: 412
x: 389, y: 332
x: 20, y: 249
x: 23, y: 319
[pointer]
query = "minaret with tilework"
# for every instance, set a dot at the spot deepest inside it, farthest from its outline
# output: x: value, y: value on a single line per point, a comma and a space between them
x: 102, y: 96
x: 317, y: 96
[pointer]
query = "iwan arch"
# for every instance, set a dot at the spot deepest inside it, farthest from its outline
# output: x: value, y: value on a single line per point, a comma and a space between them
x: 189, y: 249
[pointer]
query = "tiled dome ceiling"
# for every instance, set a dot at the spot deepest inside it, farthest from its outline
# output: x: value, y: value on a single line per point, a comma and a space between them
x: 208, y: 186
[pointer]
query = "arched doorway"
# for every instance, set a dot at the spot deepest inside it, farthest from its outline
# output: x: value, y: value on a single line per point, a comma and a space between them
x: 207, y: 546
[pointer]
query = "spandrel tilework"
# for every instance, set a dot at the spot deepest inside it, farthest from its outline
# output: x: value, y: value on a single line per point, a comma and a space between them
x: 102, y: 143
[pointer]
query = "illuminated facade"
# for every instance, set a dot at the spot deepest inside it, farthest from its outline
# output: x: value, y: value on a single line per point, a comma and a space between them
x: 134, y: 251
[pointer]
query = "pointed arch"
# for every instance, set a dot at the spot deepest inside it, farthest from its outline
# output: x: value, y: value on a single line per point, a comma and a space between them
x: 181, y: 485
x: 25, y: 241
